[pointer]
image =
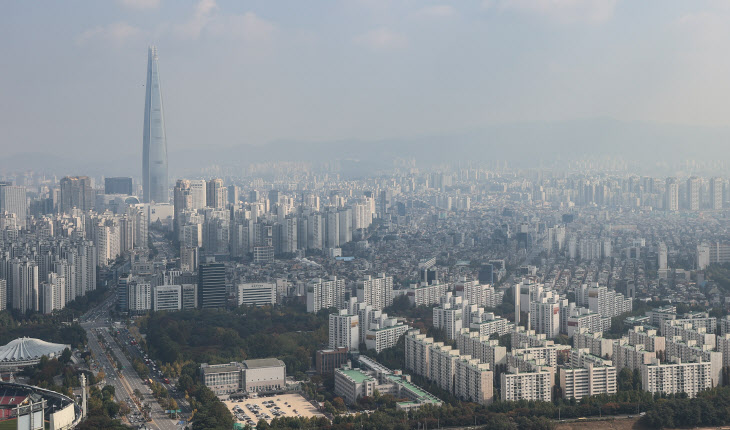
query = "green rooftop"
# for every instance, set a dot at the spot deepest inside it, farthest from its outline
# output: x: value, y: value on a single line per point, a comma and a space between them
x: 355, y: 375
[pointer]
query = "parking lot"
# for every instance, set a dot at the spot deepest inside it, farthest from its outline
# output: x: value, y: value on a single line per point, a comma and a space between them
x: 268, y: 408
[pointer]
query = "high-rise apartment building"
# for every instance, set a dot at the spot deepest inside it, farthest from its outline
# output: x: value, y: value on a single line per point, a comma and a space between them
x: 716, y: 193
x: 76, y: 192
x: 344, y: 330
x: 216, y: 194
x: 671, y: 195
x: 154, y: 140
x: 676, y: 377
x: 694, y: 186
x: 325, y: 293
x: 25, y: 285
x: 13, y: 200
x: 376, y: 292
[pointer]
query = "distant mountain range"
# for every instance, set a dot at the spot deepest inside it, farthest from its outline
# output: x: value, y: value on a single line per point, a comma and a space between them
x: 526, y: 145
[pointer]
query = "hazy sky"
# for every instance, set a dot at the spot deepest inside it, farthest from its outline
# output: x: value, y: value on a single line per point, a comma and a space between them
x: 72, y: 72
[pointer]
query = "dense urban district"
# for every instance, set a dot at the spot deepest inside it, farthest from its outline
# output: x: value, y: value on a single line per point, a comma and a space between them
x: 291, y: 295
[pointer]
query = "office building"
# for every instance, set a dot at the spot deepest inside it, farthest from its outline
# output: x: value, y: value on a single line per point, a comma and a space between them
x: 212, y: 286
x: 154, y: 140
x: 327, y: 360
x: 260, y: 375
x: 167, y: 298
x: 189, y: 296
x: 120, y: 185
x: 256, y: 294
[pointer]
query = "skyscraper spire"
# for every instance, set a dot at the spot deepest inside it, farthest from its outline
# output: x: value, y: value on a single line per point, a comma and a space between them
x: 154, y: 141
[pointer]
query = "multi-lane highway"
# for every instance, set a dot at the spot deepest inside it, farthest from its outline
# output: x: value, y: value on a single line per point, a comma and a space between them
x: 97, y: 321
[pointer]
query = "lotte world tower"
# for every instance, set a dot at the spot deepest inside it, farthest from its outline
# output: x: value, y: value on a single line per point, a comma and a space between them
x: 154, y: 142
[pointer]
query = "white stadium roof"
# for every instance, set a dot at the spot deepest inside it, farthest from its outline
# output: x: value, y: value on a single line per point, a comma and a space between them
x: 28, y: 348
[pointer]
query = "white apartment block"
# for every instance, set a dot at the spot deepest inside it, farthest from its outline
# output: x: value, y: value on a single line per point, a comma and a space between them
x: 689, y: 351
x: 725, y: 325
x: 631, y: 356
x: 477, y: 294
x: 697, y: 320
x: 139, y: 296
x: 638, y: 335
x: 376, y: 292
x: 723, y: 347
x: 688, y: 332
x: 344, y: 330
x: 543, y: 355
x: 518, y: 385
x: 587, y: 376
x: 545, y: 315
x: 582, y: 318
x: 490, y: 324
x: 521, y: 338
x: 674, y: 378
x: 426, y: 295
x: 443, y: 365
x: 418, y: 353
x: 325, y: 293
x: 464, y: 376
x: 256, y: 294
x: 384, y: 333
x: 481, y: 347
x: 601, y: 300
x: 449, y: 315
x: 474, y: 380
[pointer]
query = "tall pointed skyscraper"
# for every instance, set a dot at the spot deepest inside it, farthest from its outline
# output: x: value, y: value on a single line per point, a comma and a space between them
x: 154, y: 142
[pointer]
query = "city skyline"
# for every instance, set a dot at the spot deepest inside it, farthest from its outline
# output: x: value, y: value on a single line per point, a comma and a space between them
x: 404, y: 72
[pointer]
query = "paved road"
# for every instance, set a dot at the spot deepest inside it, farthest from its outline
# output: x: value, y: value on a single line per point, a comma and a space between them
x: 96, y: 322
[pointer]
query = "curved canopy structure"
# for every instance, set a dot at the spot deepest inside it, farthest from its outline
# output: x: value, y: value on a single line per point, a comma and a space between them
x: 27, y: 350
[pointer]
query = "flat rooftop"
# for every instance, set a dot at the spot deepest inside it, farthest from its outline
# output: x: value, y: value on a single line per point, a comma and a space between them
x: 356, y: 375
x: 263, y: 362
